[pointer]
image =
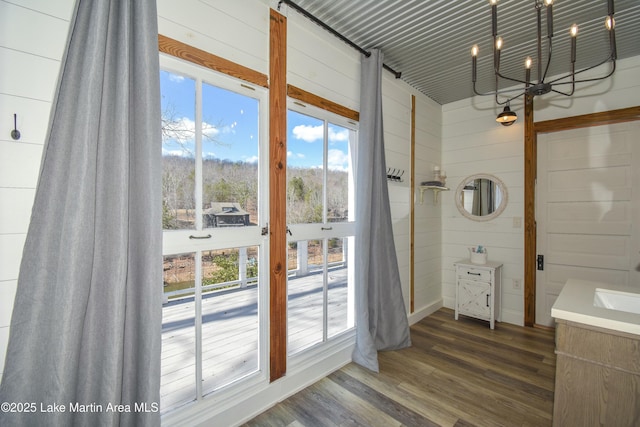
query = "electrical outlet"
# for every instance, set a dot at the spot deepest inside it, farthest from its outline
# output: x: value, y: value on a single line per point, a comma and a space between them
x: 517, y: 284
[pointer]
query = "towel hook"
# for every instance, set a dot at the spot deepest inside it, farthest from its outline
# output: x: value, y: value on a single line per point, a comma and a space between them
x: 15, y: 133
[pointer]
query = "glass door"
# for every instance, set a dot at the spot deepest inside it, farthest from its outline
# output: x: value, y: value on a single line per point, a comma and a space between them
x: 320, y: 214
x: 213, y: 212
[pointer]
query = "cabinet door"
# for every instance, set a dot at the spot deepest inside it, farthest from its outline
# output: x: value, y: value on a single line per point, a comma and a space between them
x: 474, y: 299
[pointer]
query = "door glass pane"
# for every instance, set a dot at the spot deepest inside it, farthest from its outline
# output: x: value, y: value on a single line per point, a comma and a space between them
x: 178, y: 151
x: 178, y: 372
x: 229, y: 315
x: 338, y: 167
x: 337, y: 291
x: 305, y: 163
x: 305, y: 291
x: 229, y: 158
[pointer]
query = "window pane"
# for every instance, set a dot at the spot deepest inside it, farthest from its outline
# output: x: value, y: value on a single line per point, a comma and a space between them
x: 178, y: 372
x: 230, y: 158
x: 178, y: 151
x: 306, y: 297
x: 305, y: 160
x: 338, y: 174
x: 337, y: 291
x: 229, y: 315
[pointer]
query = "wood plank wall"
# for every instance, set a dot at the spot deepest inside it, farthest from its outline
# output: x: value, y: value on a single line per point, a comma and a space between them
x: 277, y: 195
x: 412, y: 208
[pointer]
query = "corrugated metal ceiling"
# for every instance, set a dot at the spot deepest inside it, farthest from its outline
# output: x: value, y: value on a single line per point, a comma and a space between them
x: 429, y: 41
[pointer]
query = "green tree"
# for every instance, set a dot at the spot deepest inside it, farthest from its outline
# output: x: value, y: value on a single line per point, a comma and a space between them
x: 227, y: 269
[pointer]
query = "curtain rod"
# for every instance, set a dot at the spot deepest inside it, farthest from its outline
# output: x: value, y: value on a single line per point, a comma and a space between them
x: 397, y: 74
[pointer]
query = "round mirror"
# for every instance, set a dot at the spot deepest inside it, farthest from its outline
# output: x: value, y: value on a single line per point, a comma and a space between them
x: 481, y: 197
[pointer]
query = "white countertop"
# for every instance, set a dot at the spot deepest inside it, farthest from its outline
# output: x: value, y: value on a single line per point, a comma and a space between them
x: 575, y: 303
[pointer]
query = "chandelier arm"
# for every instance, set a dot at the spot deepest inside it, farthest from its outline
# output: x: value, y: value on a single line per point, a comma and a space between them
x: 564, y: 93
x: 546, y: 68
x: 509, y: 99
x: 613, y: 69
x: 493, y: 92
x: 510, y: 78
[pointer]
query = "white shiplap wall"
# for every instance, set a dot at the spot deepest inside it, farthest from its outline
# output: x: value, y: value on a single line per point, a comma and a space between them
x: 473, y: 143
x: 428, y: 225
x: 32, y: 41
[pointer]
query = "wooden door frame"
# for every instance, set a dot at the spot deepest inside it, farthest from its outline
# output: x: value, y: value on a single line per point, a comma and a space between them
x: 531, y: 131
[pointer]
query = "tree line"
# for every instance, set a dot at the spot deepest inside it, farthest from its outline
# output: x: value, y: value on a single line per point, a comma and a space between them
x: 237, y: 182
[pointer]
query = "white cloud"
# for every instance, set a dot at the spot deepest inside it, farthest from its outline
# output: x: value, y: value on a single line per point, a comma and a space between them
x: 337, y: 160
x: 296, y: 155
x: 183, y: 130
x: 308, y: 133
x: 176, y: 78
x: 252, y: 159
x: 209, y: 130
x: 340, y: 136
x: 315, y: 133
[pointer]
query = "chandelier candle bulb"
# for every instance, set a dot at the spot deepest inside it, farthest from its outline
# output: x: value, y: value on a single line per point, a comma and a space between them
x: 574, y: 36
x: 494, y: 17
x: 498, y: 46
x: 527, y: 66
x: 474, y: 65
x: 610, y: 23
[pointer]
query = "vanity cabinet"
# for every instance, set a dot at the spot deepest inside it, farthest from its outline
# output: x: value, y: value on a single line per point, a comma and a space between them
x: 478, y: 290
x: 597, y: 377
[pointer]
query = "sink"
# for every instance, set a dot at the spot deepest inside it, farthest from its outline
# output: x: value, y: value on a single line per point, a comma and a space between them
x: 617, y: 300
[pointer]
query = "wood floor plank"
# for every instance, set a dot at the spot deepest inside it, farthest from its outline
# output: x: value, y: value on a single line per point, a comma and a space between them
x: 455, y: 374
x: 397, y: 410
x: 388, y: 384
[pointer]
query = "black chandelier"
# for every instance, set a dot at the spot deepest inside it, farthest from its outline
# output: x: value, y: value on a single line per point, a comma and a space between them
x: 542, y: 86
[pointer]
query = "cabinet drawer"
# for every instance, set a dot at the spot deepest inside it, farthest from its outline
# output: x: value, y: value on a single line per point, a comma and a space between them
x: 476, y: 274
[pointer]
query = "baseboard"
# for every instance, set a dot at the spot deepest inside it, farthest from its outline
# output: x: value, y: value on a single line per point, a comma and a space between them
x: 449, y: 302
x: 417, y: 316
x: 513, y: 317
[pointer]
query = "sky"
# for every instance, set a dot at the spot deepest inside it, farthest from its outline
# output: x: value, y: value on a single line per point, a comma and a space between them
x: 230, y: 127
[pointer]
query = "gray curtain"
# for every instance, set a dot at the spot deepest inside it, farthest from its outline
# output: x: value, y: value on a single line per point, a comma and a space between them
x: 381, y: 317
x: 87, y: 315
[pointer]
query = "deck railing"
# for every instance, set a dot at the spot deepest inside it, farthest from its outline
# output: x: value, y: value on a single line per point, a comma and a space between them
x: 303, y: 269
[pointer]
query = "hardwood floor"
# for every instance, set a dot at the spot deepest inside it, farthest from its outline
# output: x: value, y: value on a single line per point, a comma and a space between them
x: 457, y: 373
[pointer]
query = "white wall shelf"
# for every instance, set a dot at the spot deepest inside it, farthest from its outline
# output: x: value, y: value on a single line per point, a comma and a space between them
x: 436, y: 191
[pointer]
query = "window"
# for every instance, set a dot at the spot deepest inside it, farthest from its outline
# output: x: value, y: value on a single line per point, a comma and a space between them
x: 320, y: 214
x: 213, y: 317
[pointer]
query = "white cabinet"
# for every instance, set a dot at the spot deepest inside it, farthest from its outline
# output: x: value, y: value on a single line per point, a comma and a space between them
x: 478, y: 290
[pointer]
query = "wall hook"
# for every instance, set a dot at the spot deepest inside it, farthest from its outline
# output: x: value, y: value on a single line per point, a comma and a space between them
x: 395, y: 175
x: 15, y: 133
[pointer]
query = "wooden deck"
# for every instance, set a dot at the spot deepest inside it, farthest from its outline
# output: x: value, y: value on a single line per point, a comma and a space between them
x: 230, y: 333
